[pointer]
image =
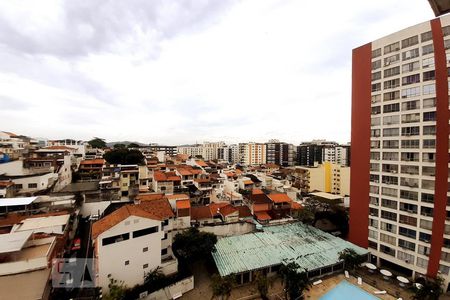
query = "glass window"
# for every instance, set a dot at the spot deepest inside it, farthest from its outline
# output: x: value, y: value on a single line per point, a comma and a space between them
x: 411, y: 41
x: 376, y: 76
x: 427, y: 49
x: 429, y: 102
x: 376, y: 52
x: 426, y: 36
x: 409, y: 67
x: 376, y: 64
x: 410, y: 105
x: 393, y: 83
x: 428, y: 62
x: 410, y: 54
x: 389, y: 72
x: 429, y: 116
x: 429, y: 75
x: 392, y: 47
x: 411, y: 79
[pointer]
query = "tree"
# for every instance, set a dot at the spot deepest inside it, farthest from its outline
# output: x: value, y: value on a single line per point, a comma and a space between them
x: 193, y: 245
x: 120, y: 146
x: 430, y: 289
x: 124, y: 156
x: 222, y: 286
x: 117, y: 290
x: 97, y: 143
x: 262, y: 284
x: 295, y: 283
x: 351, y: 258
x: 155, y: 278
x: 133, y: 145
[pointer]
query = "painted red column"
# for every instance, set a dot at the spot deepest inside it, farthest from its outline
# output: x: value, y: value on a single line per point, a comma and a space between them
x: 441, y: 179
x: 360, y: 145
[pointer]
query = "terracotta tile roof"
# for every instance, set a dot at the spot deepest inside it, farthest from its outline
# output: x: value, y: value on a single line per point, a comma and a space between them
x: 257, y: 191
x: 260, y: 199
x: 183, y: 204
x: 160, y: 208
x: 238, y: 172
x: 296, y: 205
x: 262, y: 216
x: 215, y: 207
x: 173, y: 178
x: 279, y: 198
x: 118, y: 216
x: 244, y: 211
x: 159, y: 176
x: 59, y: 148
x: 200, y: 212
x: 196, y: 171
x: 201, y: 163
x: 248, y: 182
x: 228, y: 210
x: 184, y: 172
x: 177, y: 197
x: 149, y: 197
x: 5, y: 184
x: 97, y: 161
x: 229, y: 174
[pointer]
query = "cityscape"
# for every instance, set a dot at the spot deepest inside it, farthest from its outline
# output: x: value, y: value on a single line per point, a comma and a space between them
x: 171, y: 199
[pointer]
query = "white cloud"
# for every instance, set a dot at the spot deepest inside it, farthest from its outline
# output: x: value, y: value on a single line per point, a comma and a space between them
x: 179, y: 73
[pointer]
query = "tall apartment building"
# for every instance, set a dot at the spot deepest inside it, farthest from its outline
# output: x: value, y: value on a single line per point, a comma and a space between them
x: 191, y: 150
x: 229, y: 153
x: 252, y: 153
x: 318, y: 151
x: 211, y: 150
x: 280, y: 153
x: 400, y: 149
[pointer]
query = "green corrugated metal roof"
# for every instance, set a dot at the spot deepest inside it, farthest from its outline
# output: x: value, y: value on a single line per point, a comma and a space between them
x: 308, y: 246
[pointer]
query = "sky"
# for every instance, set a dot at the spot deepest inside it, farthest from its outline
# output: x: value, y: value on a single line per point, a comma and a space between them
x: 180, y: 72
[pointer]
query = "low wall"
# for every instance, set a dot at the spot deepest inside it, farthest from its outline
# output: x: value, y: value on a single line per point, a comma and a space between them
x: 93, y: 208
x: 23, y: 266
x: 172, y: 291
x: 229, y: 229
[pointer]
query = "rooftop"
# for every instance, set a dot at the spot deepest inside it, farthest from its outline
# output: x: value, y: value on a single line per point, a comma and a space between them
x: 159, y: 207
x: 327, y: 196
x: 183, y: 204
x: 17, y: 201
x: 97, y: 161
x: 309, y: 247
x: 12, y: 242
x: 279, y: 198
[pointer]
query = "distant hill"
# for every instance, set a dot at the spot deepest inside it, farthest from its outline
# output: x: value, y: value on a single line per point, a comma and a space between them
x: 111, y: 144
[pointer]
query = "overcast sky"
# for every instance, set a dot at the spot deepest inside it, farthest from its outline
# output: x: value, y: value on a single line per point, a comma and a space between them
x: 178, y: 72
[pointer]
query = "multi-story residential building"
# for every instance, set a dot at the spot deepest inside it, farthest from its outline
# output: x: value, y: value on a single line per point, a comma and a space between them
x: 309, y: 154
x: 252, y: 153
x: 342, y: 154
x: 211, y: 150
x: 80, y: 146
x: 191, y: 150
x: 400, y: 149
x: 168, y: 150
x: 280, y: 153
x: 91, y: 169
x: 318, y: 151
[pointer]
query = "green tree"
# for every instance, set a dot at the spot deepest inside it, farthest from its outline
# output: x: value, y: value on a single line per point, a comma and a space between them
x: 155, y: 278
x: 117, y: 290
x: 133, y: 145
x: 295, y: 283
x: 124, y: 156
x: 192, y: 245
x: 351, y: 258
x: 120, y: 146
x: 262, y: 284
x: 97, y: 143
x: 222, y: 286
x: 430, y: 289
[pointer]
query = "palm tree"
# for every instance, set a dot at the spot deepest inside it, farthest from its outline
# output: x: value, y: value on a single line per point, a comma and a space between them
x: 295, y: 283
x: 430, y: 289
x: 351, y: 258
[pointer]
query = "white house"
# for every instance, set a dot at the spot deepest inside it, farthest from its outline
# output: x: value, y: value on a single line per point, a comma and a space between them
x: 128, y: 244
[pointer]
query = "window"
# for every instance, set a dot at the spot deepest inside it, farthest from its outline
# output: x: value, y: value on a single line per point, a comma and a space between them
x: 444, y: 269
x: 390, y: 144
x: 429, y: 144
x: 387, y: 250
x: 425, y: 224
x: 375, y: 155
x: 408, y: 258
x: 373, y: 234
x: 376, y: 52
x: 376, y: 110
x: 424, y: 237
x: 406, y: 245
x: 164, y: 251
x: 376, y: 99
x: 411, y: 92
x: 145, y: 249
x: 375, y: 132
x: 388, y: 120
x: 373, y: 223
x: 32, y: 185
x: 127, y: 262
x: 429, y: 89
x: 376, y: 87
x: 390, y: 156
x: 389, y: 72
x: 165, y: 236
x: 424, y: 250
x: 446, y: 30
x: 411, y: 79
x: 422, y: 262
x: 429, y: 102
x: 410, y: 144
x: 408, y: 220
x: 427, y: 49
x: 388, y: 108
x: 391, y: 96
x: 426, y: 211
x: 428, y: 171
x: 376, y: 76
x: 428, y: 62
x: 142, y: 232
x: 411, y: 41
x: 18, y: 186
x: 411, y: 118
x: 409, y: 195
x: 389, y: 215
x: 410, y: 105
x: 376, y: 64
x: 412, y: 170
x: 392, y: 47
x: 429, y: 130
x: 412, y: 208
x: 409, y: 67
x: 388, y: 227
x: 408, y: 131
x: 410, y: 182
x: 145, y: 266
x: 429, y: 116
x: 428, y: 184
x: 429, y: 75
x: 385, y: 238
x: 390, y: 132
x: 115, y: 239
x: 389, y: 192
x: 374, y: 167
x: 375, y: 122
x: 428, y: 157
x: 407, y: 232
x: 410, y: 54
x: 390, y: 84
x: 389, y: 203
x: 426, y: 36
x: 447, y: 44
x: 391, y: 59
x: 390, y: 168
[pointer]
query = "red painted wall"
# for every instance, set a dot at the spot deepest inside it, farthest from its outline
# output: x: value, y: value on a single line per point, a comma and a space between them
x: 441, y: 179
x: 360, y: 145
